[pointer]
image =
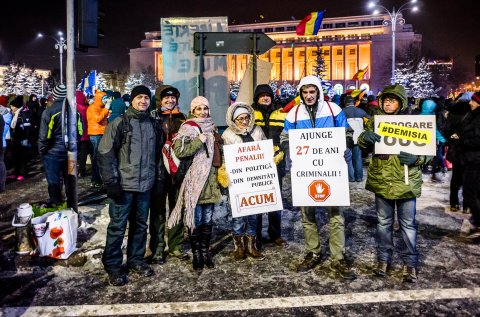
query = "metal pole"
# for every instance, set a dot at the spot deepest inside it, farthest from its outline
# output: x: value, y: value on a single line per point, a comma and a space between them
x: 394, y: 27
x: 254, y: 62
x: 72, y: 132
x: 201, y: 67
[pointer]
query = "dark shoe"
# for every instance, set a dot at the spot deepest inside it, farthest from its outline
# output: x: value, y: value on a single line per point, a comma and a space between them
x: 343, y: 269
x: 409, y: 274
x: 158, y: 258
x: 280, y: 242
x: 309, y: 262
x: 197, y: 261
x: 179, y: 254
x: 206, y: 237
x: 251, y: 248
x: 117, y: 278
x: 454, y: 208
x: 142, y: 269
x: 239, y: 243
x: 381, y: 269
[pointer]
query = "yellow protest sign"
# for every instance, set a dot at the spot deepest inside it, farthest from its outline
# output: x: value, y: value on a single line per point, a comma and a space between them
x: 401, y: 132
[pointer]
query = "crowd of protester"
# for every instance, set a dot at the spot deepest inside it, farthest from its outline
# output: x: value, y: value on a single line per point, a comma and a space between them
x: 125, y: 138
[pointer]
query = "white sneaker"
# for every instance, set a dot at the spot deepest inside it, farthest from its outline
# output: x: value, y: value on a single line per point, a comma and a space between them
x: 467, y: 227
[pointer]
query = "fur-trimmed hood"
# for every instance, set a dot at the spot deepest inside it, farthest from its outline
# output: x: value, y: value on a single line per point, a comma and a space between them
x: 231, y: 124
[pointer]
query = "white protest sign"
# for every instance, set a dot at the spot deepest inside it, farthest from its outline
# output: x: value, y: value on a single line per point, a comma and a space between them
x: 319, y: 171
x: 254, y: 186
x: 414, y: 134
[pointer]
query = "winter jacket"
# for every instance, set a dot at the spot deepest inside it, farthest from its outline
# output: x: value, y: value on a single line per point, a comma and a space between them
x: 428, y: 108
x: 23, y: 128
x: 50, y: 139
x: 469, y: 135
x: 117, y: 108
x: 271, y: 119
x: 211, y: 190
x: 82, y: 107
x: 385, y: 173
x: 233, y: 135
x: 328, y: 115
x: 169, y: 121
x: 7, y: 118
x: 453, y: 124
x: 355, y: 118
x: 97, y: 115
x: 129, y: 156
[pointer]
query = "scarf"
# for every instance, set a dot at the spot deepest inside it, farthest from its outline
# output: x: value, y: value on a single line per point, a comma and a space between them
x: 197, y: 174
x: 170, y: 111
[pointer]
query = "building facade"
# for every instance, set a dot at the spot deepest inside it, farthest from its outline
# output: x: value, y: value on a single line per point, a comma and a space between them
x: 347, y: 44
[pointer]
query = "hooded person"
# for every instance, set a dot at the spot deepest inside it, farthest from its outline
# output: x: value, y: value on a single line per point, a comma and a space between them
x: 315, y: 112
x: 97, y: 120
x: 51, y: 146
x: 242, y: 129
x: 270, y: 117
x: 117, y: 107
x: 169, y: 118
x: 198, y: 143
x: 386, y: 180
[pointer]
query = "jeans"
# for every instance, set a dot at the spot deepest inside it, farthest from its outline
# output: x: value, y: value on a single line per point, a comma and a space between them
x: 337, y: 231
x: 245, y: 225
x: 56, y: 173
x: 406, y: 210
x: 203, y: 214
x: 355, y: 166
x: 95, y: 139
x: 134, y: 210
x: 274, y: 224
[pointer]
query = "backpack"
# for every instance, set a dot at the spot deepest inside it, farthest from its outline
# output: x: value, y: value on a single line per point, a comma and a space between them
x: 178, y: 168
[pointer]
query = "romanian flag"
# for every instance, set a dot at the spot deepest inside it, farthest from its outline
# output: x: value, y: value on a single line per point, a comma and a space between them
x: 311, y: 23
x: 360, y: 74
x: 294, y: 102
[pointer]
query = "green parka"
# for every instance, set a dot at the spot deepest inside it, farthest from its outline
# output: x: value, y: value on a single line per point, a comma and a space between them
x: 211, y: 190
x: 386, y: 176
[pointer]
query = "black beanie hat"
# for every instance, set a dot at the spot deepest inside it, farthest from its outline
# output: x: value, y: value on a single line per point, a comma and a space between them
x: 262, y: 89
x: 140, y: 90
x: 17, y: 102
x: 171, y: 91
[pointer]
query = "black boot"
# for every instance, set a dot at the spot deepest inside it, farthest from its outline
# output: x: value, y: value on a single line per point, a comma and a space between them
x: 196, y: 250
x: 205, y: 246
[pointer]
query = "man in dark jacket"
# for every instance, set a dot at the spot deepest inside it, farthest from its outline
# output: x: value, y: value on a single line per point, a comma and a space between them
x: 169, y: 118
x: 386, y: 179
x: 270, y: 118
x: 129, y: 161
x: 469, y: 139
x: 51, y: 146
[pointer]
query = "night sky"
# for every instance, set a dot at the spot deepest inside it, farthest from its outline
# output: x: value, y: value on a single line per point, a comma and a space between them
x: 449, y: 29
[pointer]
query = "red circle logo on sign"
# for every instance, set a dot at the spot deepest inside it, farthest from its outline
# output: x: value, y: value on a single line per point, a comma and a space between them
x: 319, y: 190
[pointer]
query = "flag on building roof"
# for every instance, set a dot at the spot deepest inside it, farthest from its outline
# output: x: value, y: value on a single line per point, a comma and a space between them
x: 311, y: 23
x: 360, y: 74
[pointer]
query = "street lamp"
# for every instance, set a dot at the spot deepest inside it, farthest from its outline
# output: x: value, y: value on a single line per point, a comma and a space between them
x: 395, y: 18
x: 60, y: 45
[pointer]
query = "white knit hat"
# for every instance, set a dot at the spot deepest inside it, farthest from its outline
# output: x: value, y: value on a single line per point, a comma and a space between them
x: 239, y: 111
x: 198, y: 101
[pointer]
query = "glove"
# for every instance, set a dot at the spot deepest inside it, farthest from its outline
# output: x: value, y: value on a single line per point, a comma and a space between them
x: 114, y: 192
x: 278, y: 155
x: 222, y: 176
x: 347, y: 155
x: 407, y: 158
x: 371, y: 137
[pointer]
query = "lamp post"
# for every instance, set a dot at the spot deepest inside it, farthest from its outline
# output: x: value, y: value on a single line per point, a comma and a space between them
x: 395, y: 18
x: 60, y: 45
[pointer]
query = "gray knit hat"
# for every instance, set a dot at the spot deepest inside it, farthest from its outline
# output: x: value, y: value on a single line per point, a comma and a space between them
x: 59, y: 91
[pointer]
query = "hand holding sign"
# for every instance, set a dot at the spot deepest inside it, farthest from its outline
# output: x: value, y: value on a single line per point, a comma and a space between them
x: 407, y: 158
x: 371, y: 137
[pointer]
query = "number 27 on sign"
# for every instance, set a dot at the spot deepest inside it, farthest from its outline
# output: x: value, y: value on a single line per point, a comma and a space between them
x: 302, y: 150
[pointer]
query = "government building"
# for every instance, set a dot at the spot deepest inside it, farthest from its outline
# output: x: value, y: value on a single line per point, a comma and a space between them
x: 346, y: 43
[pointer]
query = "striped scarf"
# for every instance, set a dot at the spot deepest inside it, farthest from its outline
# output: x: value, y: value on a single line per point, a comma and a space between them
x: 197, y: 174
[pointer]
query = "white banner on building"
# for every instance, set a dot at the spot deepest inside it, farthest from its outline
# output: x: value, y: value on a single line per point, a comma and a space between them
x: 414, y: 134
x: 181, y: 66
x: 254, y: 186
x: 319, y: 172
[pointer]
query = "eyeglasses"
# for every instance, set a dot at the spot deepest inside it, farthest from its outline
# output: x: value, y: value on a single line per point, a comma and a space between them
x: 389, y: 100
x: 246, y: 119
